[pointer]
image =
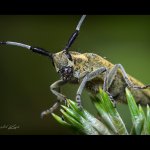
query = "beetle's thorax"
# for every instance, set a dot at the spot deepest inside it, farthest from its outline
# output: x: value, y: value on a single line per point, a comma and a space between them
x: 79, y: 64
x: 67, y: 68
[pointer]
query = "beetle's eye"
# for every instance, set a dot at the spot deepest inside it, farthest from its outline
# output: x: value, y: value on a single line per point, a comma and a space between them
x: 66, y: 72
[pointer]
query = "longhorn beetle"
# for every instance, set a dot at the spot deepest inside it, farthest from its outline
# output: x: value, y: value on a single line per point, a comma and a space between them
x: 90, y: 71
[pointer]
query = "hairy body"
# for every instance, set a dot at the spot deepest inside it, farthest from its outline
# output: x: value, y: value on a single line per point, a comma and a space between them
x: 90, y: 62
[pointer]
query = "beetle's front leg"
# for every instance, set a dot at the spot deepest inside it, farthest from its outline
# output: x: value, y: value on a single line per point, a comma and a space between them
x: 55, y: 89
x: 88, y: 77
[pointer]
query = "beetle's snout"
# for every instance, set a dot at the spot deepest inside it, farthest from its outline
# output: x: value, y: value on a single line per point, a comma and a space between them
x: 66, y: 72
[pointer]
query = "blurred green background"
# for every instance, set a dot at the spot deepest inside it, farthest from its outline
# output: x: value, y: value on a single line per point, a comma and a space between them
x: 25, y: 77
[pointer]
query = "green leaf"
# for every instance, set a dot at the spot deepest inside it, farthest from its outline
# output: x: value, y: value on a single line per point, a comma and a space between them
x: 72, y: 113
x: 137, y: 114
x: 99, y: 126
x: 59, y: 119
x: 80, y: 124
x: 146, y: 129
x: 103, y: 114
x: 71, y: 120
x: 132, y: 104
x: 148, y: 119
x: 109, y: 113
x: 110, y: 120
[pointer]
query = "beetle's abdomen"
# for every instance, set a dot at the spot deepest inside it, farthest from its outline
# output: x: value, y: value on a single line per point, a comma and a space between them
x: 94, y: 85
x: 117, y: 90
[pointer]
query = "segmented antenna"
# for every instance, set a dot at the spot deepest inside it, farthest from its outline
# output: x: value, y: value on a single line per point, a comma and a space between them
x: 33, y: 49
x: 44, y: 52
x: 80, y: 22
x: 75, y: 34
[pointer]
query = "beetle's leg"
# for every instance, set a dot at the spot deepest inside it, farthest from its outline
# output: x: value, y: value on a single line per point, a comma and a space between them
x: 109, y: 78
x: 111, y: 75
x: 106, y: 84
x: 88, y: 77
x: 55, y: 89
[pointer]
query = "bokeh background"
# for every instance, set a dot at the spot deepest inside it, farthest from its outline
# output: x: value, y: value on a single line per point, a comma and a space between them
x: 25, y: 77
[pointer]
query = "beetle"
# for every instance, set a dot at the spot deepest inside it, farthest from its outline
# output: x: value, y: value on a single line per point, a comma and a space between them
x: 90, y: 71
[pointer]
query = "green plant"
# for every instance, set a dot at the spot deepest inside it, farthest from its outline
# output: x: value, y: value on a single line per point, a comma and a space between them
x: 109, y: 122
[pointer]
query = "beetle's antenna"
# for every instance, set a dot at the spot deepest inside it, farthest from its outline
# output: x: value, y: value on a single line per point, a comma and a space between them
x: 75, y: 34
x: 33, y: 49
x: 80, y: 22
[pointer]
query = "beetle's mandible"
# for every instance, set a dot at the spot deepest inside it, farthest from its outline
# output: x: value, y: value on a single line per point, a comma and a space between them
x: 90, y: 71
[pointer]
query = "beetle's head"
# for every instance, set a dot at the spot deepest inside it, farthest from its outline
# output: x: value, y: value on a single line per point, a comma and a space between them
x: 63, y: 64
